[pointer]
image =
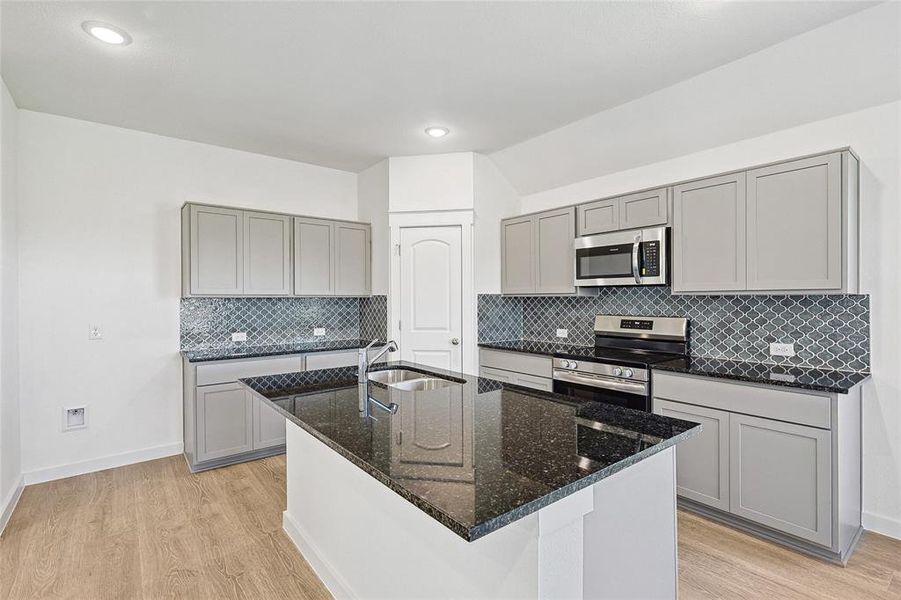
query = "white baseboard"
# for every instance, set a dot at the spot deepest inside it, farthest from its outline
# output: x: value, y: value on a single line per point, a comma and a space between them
x: 102, y: 463
x: 881, y: 524
x: 332, y: 580
x: 9, y: 503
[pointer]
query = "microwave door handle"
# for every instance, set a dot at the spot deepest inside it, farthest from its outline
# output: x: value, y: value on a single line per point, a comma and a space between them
x: 636, y: 246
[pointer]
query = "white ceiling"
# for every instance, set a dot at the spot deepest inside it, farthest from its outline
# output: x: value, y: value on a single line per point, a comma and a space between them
x: 346, y: 84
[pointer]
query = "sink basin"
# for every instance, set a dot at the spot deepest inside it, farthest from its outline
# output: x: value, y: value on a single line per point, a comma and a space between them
x: 423, y: 384
x: 391, y: 376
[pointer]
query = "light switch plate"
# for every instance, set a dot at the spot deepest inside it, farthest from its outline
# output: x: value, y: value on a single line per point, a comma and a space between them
x: 782, y: 349
x: 239, y: 336
x: 319, y: 331
x: 562, y: 333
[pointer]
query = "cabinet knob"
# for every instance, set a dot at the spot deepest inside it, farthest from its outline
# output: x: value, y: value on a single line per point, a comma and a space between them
x: 455, y: 341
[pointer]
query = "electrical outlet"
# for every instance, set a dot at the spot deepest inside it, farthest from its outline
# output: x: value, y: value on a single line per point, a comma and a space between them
x: 562, y: 333
x: 75, y: 417
x: 782, y: 349
x: 94, y: 332
x: 319, y: 331
x: 239, y: 336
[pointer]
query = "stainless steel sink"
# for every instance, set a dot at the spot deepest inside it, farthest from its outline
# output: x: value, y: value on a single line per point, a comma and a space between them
x: 391, y: 376
x: 409, y: 381
x: 424, y: 384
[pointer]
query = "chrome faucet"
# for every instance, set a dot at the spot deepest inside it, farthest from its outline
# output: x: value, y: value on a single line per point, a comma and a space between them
x: 365, y: 361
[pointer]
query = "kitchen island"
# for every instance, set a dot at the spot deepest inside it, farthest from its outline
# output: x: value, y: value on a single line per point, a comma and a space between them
x: 431, y: 484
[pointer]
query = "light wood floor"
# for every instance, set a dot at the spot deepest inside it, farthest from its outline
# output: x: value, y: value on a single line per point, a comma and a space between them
x: 153, y: 531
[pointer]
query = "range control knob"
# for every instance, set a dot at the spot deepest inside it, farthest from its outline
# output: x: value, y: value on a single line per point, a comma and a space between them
x: 628, y: 373
x: 573, y: 365
x: 565, y: 364
x: 617, y: 371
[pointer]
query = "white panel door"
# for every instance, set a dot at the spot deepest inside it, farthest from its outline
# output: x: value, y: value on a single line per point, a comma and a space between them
x: 431, y: 296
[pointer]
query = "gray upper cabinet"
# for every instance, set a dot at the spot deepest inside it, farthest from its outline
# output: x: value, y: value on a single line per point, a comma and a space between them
x: 314, y: 262
x: 351, y: 256
x: 537, y: 253
x: 555, y: 252
x: 518, y: 256
x: 709, y: 229
x: 643, y: 209
x: 216, y: 243
x: 599, y: 216
x: 795, y: 225
x: 781, y: 476
x: 702, y: 463
x: 230, y: 252
x: 267, y: 254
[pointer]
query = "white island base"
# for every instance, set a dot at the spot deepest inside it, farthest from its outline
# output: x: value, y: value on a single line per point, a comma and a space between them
x: 614, y: 539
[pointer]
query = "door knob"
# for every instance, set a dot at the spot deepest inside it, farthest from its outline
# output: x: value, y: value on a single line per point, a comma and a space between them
x: 455, y: 341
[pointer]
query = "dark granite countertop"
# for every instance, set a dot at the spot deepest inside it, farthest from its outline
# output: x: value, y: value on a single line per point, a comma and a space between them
x: 821, y: 380
x: 505, y: 451
x: 235, y: 352
x: 571, y: 351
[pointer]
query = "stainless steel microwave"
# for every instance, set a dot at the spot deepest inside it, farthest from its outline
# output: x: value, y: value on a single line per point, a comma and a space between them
x: 636, y: 257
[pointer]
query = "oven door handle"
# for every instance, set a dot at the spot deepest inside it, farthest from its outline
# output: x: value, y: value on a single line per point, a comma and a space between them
x: 630, y: 387
x: 636, y: 246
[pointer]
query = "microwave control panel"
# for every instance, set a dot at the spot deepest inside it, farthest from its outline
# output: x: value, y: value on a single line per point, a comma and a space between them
x: 650, y: 259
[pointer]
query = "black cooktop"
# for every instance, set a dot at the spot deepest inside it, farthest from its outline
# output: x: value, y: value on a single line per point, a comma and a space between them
x: 613, y: 356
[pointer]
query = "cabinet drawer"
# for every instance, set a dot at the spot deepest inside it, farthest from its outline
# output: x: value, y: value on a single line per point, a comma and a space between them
x: 783, y: 405
x: 496, y: 374
x: 232, y: 370
x: 529, y: 364
x: 529, y: 381
x: 331, y: 360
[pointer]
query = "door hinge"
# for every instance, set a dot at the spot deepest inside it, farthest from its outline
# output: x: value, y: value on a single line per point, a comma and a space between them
x: 398, y: 325
x: 397, y: 249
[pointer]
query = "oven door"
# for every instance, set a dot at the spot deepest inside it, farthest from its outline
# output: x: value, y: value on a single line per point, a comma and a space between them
x: 597, y: 388
x: 637, y: 257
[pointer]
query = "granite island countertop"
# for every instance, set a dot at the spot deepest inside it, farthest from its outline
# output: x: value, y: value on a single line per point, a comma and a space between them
x: 235, y: 352
x: 505, y: 451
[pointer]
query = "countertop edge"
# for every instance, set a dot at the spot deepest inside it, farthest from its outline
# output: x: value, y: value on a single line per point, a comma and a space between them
x: 771, y: 382
x: 339, y: 347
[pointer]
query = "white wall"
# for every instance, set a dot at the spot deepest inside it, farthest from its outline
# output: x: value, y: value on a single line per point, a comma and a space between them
x: 874, y: 133
x: 430, y: 182
x: 372, y: 194
x: 841, y: 67
x: 99, y: 244
x: 10, y: 444
x: 494, y: 198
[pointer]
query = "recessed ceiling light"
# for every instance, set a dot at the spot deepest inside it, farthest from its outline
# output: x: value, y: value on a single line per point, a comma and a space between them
x: 107, y: 33
x: 437, y: 132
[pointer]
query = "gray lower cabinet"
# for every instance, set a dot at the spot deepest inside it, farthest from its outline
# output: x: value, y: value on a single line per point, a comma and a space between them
x: 794, y: 482
x: 709, y: 235
x: 537, y: 253
x: 782, y: 476
x: 702, y: 463
x: 268, y: 426
x: 224, y: 421
x: 528, y: 370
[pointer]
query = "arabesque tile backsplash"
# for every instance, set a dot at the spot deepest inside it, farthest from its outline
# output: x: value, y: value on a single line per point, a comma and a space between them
x: 209, y: 322
x: 830, y: 331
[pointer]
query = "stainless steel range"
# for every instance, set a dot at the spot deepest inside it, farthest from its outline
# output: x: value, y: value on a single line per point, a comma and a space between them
x: 617, y: 369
